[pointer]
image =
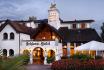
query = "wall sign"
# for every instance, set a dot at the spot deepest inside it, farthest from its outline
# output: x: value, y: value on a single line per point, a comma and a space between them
x: 42, y: 43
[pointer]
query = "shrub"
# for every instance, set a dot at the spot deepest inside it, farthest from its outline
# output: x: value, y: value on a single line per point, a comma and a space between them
x: 50, y: 59
x: 15, y: 63
x: 78, y: 65
x: 64, y: 57
x: 81, y: 57
x: 26, y: 59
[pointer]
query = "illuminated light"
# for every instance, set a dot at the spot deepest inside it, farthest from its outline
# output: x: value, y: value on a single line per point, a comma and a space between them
x: 34, y: 53
x: 65, y: 46
x: 38, y: 48
x: 71, y: 46
x: 53, y: 37
x: 89, y: 52
x: 45, y: 50
x: 43, y: 38
x: 29, y: 49
x: 38, y: 54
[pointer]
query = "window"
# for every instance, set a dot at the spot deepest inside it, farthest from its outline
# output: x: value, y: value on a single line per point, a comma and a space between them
x: 11, y: 35
x: 83, y: 25
x: 11, y: 52
x: 4, y: 52
x: 5, y: 36
x: 74, y: 26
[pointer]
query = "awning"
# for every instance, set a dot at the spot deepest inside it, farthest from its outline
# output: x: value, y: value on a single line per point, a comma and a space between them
x: 92, y: 45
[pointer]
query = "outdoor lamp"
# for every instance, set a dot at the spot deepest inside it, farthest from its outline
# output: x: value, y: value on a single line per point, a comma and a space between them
x: 53, y: 37
x: 65, y: 46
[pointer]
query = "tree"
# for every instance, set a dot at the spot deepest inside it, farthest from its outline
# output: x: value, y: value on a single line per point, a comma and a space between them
x: 102, y: 34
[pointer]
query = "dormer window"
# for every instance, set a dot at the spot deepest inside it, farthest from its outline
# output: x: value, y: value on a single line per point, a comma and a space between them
x: 5, y: 36
x: 11, y: 35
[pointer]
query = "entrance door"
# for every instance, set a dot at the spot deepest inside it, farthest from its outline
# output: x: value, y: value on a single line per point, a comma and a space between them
x: 38, y: 57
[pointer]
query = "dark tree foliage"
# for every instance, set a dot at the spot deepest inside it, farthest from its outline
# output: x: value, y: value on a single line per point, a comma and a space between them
x: 102, y: 34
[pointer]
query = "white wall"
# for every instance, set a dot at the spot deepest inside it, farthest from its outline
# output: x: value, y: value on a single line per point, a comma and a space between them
x: 66, y: 25
x: 57, y: 48
x: 17, y: 42
x: 9, y: 44
x: 12, y: 44
x: 88, y: 25
x: 23, y: 37
x: 78, y: 26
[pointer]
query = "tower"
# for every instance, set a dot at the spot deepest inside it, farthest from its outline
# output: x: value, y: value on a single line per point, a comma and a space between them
x: 53, y: 16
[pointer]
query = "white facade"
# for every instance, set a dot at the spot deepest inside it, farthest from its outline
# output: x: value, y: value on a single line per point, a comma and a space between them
x: 9, y: 44
x: 12, y: 43
x: 45, y: 45
x: 19, y: 44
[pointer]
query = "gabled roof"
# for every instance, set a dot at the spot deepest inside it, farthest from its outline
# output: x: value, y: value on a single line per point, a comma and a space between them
x: 79, y: 35
x: 19, y: 28
x: 67, y: 35
x: 42, y: 26
x: 77, y: 21
x: 28, y: 21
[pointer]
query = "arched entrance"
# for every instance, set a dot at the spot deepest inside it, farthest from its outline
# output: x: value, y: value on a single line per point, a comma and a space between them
x: 51, y: 56
x: 38, y: 57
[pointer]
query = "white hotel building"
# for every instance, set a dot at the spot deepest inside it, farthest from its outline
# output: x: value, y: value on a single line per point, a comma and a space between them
x: 48, y: 37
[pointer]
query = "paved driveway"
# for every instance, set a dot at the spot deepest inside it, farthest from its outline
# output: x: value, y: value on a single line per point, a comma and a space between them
x: 38, y: 67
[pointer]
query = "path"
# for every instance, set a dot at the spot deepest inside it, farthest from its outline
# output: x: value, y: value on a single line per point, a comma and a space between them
x: 38, y: 67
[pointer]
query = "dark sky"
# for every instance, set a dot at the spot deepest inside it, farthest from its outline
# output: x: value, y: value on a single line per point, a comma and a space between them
x: 69, y: 9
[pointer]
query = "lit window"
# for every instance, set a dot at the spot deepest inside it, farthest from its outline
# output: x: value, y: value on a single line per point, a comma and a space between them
x: 83, y: 25
x: 53, y: 37
x: 43, y: 38
x: 65, y: 46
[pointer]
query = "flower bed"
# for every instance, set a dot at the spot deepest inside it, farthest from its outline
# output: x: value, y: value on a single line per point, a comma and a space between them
x: 78, y: 64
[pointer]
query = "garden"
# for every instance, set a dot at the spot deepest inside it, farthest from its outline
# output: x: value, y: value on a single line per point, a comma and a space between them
x: 79, y: 62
